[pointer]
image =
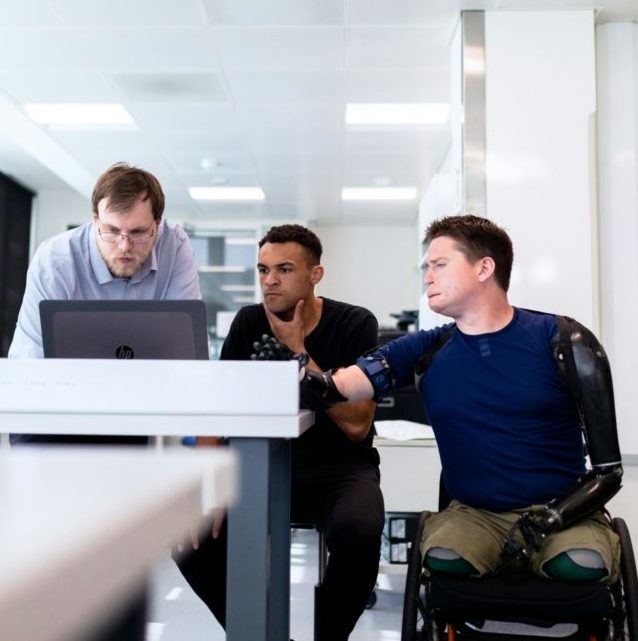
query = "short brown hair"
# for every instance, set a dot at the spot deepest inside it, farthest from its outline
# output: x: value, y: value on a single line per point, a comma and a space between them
x: 296, y: 234
x: 124, y: 185
x: 477, y: 237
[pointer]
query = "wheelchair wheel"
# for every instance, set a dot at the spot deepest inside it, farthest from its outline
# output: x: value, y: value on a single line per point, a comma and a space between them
x: 411, y: 609
x: 628, y: 580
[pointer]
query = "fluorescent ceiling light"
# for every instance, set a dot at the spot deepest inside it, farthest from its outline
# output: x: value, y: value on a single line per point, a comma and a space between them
x: 237, y: 288
x: 228, y: 269
x: 226, y: 194
x: 78, y: 114
x: 378, y: 193
x: 388, y: 113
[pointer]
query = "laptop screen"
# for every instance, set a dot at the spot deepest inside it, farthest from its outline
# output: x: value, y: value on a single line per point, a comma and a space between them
x: 154, y: 329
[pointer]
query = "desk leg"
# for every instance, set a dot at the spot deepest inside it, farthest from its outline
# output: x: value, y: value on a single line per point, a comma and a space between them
x: 258, y: 585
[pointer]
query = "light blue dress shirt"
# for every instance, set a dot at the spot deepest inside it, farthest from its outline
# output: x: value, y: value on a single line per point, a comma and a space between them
x: 69, y: 266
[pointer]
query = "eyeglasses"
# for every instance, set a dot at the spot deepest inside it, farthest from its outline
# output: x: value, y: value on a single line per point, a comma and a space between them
x: 135, y: 237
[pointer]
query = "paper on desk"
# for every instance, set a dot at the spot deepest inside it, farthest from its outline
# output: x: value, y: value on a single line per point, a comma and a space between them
x: 403, y: 430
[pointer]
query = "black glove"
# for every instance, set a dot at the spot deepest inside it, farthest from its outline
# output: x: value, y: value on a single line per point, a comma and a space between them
x: 271, y: 349
x: 317, y: 390
x: 528, y: 534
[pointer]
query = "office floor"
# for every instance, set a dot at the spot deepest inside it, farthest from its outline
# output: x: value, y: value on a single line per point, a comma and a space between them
x: 177, y: 615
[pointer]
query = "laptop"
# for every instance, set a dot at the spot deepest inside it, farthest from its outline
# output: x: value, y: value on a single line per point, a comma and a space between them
x: 147, y: 329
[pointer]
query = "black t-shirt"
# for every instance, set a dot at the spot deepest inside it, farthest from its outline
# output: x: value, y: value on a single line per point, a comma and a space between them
x: 343, y: 333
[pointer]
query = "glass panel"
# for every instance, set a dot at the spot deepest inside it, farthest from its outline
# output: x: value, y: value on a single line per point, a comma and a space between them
x: 227, y: 277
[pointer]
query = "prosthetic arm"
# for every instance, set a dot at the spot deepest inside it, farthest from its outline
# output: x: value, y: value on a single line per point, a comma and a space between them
x: 316, y: 389
x: 583, y: 363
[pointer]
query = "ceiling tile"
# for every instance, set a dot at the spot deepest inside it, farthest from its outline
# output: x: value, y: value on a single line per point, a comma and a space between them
x: 138, y: 49
x: 206, y: 179
x: 58, y: 86
x: 401, y: 12
x: 409, y: 84
x: 40, y: 49
x: 28, y: 13
x: 295, y: 142
x: 286, y: 120
x: 287, y: 87
x: 315, y: 187
x: 183, y: 117
x: 124, y: 13
x: 406, y: 142
x: 233, y: 143
x: 307, y: 163
x: 275, y: 12
x: 281, y: 48
x: 80, y: 142
x: 380, y: 47
x: 381, y: 169
x: 210, y: 162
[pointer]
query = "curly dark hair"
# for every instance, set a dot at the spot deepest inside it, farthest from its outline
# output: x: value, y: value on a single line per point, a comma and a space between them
x: 296, y: 234
x: 477, y: 237
x: 124, y: 185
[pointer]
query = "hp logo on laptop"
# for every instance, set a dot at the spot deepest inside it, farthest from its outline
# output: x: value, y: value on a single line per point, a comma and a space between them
x: 124, y: 351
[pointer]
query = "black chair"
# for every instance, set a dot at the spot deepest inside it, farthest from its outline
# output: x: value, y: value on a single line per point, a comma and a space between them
x: 446, y: 607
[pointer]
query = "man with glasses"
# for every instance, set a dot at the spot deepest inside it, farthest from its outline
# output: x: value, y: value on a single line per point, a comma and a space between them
x: 126, y: 252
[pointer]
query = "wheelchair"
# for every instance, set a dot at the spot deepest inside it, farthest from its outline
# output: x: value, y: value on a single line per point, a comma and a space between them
x: 518, y: 605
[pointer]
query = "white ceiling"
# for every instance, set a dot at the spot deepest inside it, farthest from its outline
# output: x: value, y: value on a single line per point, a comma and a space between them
x: 237, y: 92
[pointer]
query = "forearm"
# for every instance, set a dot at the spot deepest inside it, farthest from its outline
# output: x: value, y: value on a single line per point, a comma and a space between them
x: 588, y: 495
x: 353, y: 419
x: 591, y: 493
x: 353, y: 383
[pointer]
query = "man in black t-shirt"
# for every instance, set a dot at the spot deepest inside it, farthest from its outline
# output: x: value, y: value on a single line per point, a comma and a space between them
x: 335, y: 473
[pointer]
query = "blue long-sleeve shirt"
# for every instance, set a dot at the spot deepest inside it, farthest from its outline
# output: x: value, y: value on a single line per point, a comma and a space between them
x: 506, y: 426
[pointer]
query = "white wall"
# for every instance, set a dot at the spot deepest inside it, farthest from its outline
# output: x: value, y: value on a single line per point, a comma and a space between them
x: 53, y: 210
x: 373, y: 266
x: 540, y: 105
x: 618, y: 197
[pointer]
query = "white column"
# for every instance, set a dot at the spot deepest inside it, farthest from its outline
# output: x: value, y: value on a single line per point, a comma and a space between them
x: 617, y: 48
x: 540, y: 174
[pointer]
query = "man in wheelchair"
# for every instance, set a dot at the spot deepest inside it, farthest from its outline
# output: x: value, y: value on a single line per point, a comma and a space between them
x: 510, y: 394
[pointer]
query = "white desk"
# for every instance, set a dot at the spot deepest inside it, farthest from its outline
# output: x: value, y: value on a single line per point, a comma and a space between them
x: 255, y: 404
x: 80, y: 529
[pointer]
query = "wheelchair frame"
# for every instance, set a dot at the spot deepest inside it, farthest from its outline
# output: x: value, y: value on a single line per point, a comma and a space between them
x: 441, y: 607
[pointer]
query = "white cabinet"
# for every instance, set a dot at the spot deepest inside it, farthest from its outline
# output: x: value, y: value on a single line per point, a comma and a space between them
x: 410, y: 473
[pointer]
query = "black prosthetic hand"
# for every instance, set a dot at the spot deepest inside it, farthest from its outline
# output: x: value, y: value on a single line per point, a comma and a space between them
x: 316, y: 389
x: 528, y: 534
x: 589, y: 494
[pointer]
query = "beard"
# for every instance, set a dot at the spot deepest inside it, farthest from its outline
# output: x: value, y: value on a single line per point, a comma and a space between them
x: 123, y: 270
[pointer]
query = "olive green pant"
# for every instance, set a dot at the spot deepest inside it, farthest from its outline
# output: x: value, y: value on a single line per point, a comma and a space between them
x: 478, y: 537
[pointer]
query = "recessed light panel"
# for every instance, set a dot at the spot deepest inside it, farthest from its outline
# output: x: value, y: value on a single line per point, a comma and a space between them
x: 81, y: 114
